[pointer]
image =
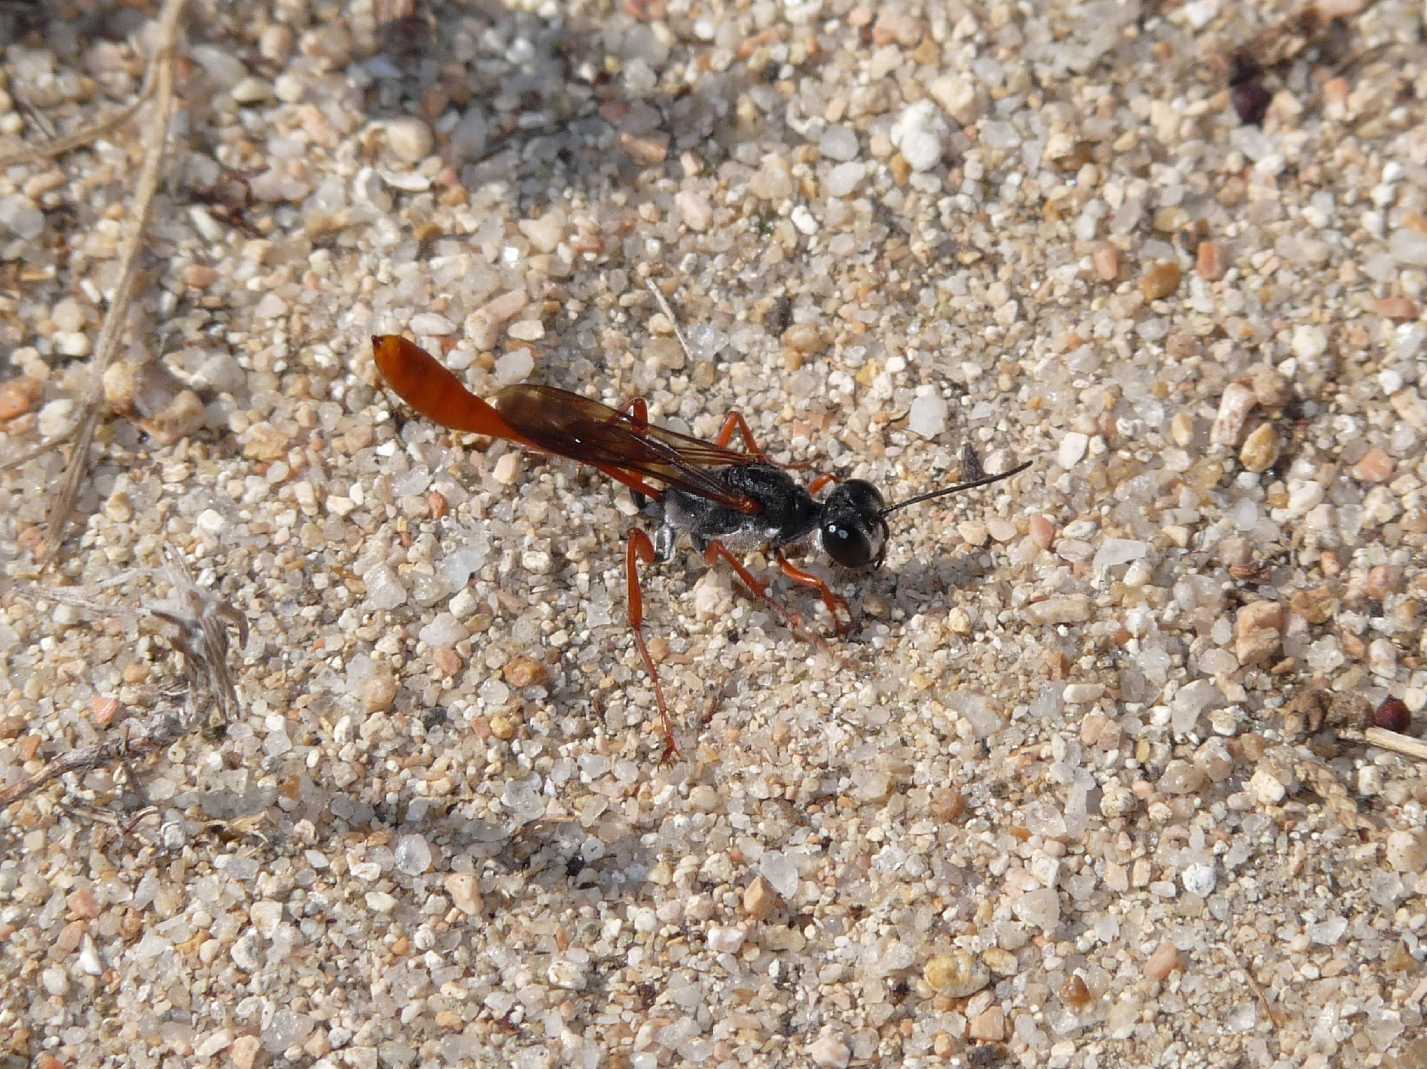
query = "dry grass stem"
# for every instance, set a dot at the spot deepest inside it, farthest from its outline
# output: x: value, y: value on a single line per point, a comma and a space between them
x: 38, y: 451
x: 669, y: 314
x: 1396, y: 742
x: 69, y: 142
x: 62, y: 504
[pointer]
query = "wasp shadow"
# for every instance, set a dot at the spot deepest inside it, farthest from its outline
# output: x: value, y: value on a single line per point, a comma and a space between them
x: 918, y: 585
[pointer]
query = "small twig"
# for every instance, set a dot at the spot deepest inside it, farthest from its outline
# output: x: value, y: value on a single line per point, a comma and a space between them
x: 69, y: 142
x: 34, y: 115
x: 669, y: 314
x: 38, y: 451
x: 71, y: 597
x: 169, y: 729
x: 1396, y: 742
x: 133, y: 822
x: 62, y: 505
x: 1273, y: 1014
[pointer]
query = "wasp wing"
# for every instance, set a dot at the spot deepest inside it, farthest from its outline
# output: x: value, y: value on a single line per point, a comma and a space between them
x: 569, y: 425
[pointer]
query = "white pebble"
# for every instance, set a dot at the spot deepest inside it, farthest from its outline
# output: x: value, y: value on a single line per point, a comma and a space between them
x: 68, y: 314
x: 1234, y: 408
x: 568, y: 975
x: 465, y: 892
x: 507, y: 469
x: 956, y: 93
x: 839, y: 143
x: 252, y: 91
x: 215, y: 1042
x: 726, y: 940
x: 1309, y: 342
x: 1265, y: 787
x: 266, y: 916
x: 55, y: 980
x: 544, y: 232
x: 384, y: 589
x: 804, y: 221
x: 210, y: 522
x: 289, y: 89
x: 844, y: 178
x: 89, y: 958
x: 1116, y: 551
x: 270, y: 307
x: 1407, y: 851
x: 1072, y: 449
x: 694, y: 209
x: 409, y: 139
x: 775, y: 867
x: 928, y: 414
x: 1408, y: 246
x: 514, y: 366
x: 443, y: 630
x: 1303, y: 496
x: 406, y: 181
x: 1190, y: 702
x: 57, y: 418
x: 1062, y: 610
x: 245, y: 953
x: 712, y: 595
x: 413, y: 855
x: 920, y: 135
x: 1199, y: 879
x: 1039, y: 908
x: 72, y: 343
x: 432, y: 324
x: 1329, y: 930
x: 22, y: 218
x: 830, y: 1052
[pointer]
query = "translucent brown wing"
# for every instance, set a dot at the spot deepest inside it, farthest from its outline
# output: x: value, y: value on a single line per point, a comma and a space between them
x: 563, y: 423
x: 569, y: 425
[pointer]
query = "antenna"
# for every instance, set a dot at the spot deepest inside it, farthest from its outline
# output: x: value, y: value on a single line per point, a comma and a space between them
x: 985, y: 480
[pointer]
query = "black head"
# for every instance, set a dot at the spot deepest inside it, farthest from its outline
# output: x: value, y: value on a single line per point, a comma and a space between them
x: 852, y: 525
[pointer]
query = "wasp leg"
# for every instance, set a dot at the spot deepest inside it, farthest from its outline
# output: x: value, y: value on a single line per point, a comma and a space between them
x: 837, y: 606
x: 716, y: 551
x: 640, y: 548
x: 637, y: 409
x: 735, y: 423
x: 815, y: 487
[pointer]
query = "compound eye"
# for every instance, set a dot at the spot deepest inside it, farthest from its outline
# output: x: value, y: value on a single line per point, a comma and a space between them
x: 848, y: 546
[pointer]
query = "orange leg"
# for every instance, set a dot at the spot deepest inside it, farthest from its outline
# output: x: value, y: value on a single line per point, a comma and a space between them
x: 717, y: 551
x: 816, y: 486
x: 735, y: 423
x: 835, y: 605
x: 638, y: 411
x: 642, y: 549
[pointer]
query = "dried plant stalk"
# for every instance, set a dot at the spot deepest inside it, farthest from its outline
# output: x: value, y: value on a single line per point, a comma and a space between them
x: 1397, y: 742
x: 62, y: 504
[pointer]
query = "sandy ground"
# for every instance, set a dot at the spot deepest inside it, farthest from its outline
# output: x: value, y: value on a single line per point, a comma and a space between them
x: 1089, y: 785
